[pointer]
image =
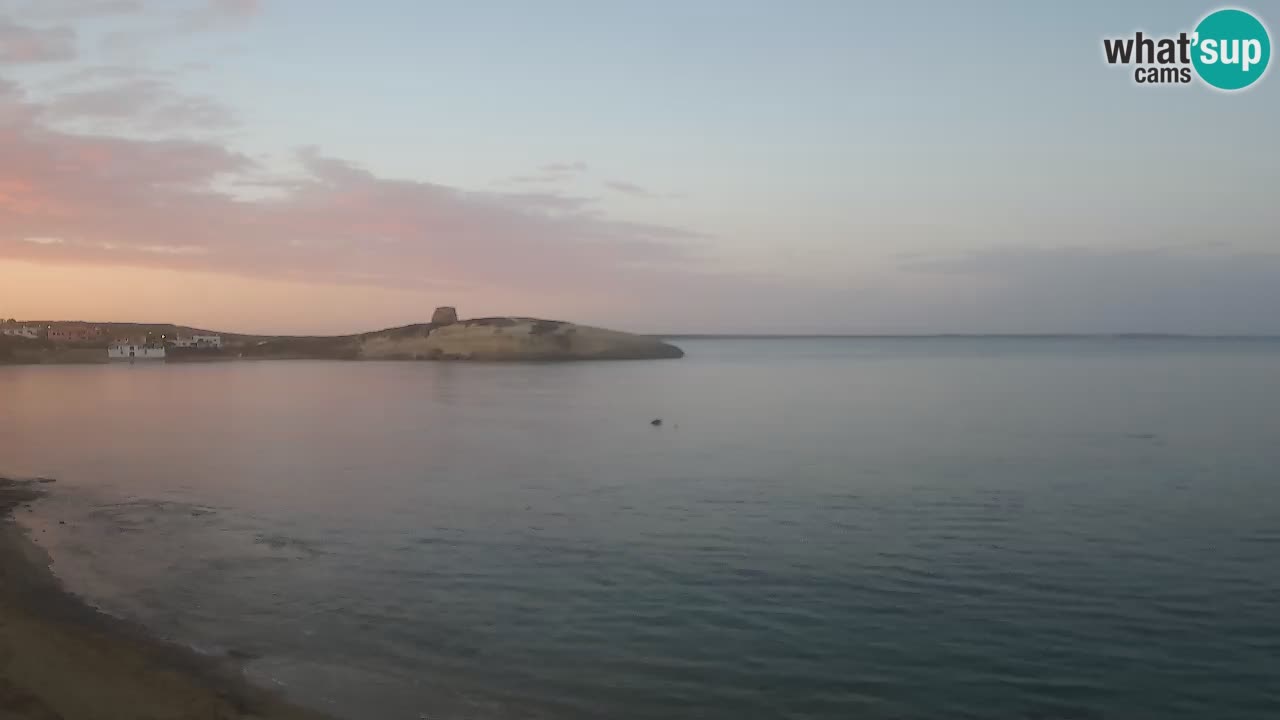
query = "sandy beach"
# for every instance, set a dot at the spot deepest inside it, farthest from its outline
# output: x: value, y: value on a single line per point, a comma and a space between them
x: 60, y: 658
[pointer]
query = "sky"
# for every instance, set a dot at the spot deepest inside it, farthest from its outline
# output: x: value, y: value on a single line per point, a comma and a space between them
x: 735, y: 166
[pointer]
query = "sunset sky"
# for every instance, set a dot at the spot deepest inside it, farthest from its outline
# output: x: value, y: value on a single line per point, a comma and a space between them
x: 673, y: 166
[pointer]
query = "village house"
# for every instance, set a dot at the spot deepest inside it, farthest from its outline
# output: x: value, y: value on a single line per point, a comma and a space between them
x: 75, y: 334
x: 134, y: 349
x: 26, y: 331
x: 212, y: 342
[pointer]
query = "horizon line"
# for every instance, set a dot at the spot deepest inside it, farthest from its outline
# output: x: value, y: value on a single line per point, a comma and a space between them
x: 759, y: 336
x: 992, y: 335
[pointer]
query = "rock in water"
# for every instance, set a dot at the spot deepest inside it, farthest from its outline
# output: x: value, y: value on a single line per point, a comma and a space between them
x: 444, y: 315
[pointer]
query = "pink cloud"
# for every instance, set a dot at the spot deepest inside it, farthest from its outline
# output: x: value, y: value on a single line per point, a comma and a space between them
x: 155, y: 204
x: 21, y: 44
x: 531, y: 179
x: 111, y: 101
x: 235, y: 8
x: 151, y: 104
x: 189, y: 112
x: 564, y: 168
x: 214, y: 14
x: 113, y: 7
x: 13, y: 111
x: 627, y: 188
x: 70, y: 12
x: 175, y: 21
x: 64, y: 10
x: 83, y: 76
x: 548, y: 174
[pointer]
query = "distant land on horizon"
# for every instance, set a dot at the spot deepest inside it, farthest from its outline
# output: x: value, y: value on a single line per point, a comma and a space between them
x: 444, y: 338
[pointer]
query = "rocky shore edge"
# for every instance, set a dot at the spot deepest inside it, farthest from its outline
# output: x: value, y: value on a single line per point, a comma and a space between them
x: 63, y: 660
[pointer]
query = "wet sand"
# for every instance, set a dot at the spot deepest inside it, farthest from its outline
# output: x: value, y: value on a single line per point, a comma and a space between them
x: 60, y: 658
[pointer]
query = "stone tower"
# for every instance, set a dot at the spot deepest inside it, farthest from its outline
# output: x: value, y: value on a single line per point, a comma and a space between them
x: 444, y: 315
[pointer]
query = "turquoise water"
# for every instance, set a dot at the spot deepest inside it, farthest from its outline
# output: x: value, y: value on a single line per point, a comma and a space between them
x: 838, y: 528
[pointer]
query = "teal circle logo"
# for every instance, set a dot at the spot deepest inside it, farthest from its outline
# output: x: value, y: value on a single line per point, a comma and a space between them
x: 1232, y: 49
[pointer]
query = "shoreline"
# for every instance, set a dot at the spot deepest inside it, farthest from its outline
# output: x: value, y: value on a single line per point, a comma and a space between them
x: 61, y: 658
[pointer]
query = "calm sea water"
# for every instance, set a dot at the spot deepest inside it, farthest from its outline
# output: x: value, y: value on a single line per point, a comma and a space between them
x: 866, y: 528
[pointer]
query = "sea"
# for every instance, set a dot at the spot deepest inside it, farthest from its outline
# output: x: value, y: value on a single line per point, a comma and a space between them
x: 1049, y: 528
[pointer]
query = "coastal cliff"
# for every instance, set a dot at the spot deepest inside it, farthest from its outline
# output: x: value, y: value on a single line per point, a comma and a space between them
x: 493, y: 339
x: 507, y: 338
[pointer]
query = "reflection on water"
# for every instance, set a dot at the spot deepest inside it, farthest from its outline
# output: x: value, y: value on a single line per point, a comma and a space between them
x: 820, y: 529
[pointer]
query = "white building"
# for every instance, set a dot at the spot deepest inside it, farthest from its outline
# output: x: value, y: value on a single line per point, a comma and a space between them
x: 134, y: 351
x: 198, y: 341
x: 26, y: 331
